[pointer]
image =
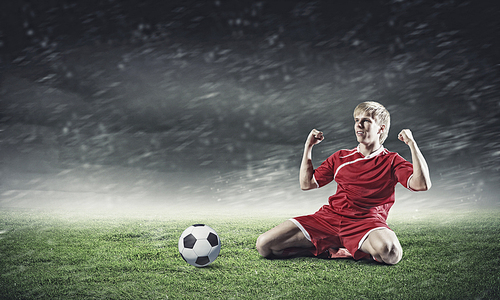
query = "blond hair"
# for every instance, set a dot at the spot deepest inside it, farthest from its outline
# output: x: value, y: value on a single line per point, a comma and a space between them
x: 378, y: 112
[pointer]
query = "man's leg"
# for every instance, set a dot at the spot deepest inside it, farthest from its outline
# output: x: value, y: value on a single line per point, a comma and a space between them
x: 286, y: 235
x: 384, y: 246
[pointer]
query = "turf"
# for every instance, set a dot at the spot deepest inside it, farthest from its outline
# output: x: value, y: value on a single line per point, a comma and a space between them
x: 49, y: 256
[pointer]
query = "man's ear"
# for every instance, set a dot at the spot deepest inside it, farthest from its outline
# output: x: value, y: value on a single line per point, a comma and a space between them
x: 382, y: 129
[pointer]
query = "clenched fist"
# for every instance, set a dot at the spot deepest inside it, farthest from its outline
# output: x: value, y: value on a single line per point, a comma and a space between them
x: 315, y: 137
x: 406, y: 136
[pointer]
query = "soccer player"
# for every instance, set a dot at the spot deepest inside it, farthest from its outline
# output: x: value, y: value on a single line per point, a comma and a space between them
x: 353, y: 223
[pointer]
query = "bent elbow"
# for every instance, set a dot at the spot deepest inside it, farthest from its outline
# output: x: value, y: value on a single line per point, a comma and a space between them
x: 422, y: 188
x: 427, y: 185
x: 307, y: 187
x: 420, y: 183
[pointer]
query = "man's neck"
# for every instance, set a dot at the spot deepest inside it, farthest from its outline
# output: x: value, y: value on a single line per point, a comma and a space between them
x: 369, y: 149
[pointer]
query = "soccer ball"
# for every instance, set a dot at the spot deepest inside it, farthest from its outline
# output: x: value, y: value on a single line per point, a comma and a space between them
x: 199, y: 245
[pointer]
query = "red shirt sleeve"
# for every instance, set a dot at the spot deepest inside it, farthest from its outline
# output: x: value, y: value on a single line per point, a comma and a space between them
x: 325, y: 172
x: 403, y: 170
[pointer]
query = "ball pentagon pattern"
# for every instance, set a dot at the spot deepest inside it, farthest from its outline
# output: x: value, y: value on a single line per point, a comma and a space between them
x: 199, y: 245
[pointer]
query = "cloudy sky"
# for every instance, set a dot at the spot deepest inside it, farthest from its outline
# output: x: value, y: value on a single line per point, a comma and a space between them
x: 113, y: 104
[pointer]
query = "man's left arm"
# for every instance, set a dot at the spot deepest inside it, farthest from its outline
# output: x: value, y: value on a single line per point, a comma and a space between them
x: 421, y: 179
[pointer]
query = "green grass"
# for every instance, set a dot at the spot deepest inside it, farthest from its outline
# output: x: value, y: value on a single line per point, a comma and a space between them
x: 51, y: 256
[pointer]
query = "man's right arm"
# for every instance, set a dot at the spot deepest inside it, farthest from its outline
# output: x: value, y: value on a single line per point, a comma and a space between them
x: 306, y: 179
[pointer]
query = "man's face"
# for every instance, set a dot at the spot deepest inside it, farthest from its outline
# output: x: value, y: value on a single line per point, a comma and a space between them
x: 367, y: 129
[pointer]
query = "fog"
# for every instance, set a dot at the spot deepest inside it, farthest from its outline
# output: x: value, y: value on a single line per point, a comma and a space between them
x: 204, y: 106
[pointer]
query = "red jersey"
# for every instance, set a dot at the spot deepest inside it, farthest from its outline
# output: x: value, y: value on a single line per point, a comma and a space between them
x: 365, y: 184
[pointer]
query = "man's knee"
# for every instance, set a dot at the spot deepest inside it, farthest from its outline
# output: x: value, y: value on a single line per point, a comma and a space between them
x: 285, y: 235
x: 390, y: 253
x: 262, y: 245
x: 384, y: 246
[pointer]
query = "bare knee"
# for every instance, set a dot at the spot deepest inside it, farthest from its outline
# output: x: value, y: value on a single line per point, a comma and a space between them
x: 262, y: 245
x: 390, y: 253
x: 283, y: 236
x: 384, y: 246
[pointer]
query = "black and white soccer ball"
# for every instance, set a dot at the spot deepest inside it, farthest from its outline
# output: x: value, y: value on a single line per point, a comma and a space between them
x: 199, y: 245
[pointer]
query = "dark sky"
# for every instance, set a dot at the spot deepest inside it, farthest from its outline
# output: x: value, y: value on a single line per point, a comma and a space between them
x: 225, y: 92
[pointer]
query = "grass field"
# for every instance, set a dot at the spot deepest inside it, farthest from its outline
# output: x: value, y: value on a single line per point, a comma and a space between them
x: 56, y: 256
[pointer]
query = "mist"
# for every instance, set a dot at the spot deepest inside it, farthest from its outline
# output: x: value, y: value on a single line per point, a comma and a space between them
x: 191, y: 106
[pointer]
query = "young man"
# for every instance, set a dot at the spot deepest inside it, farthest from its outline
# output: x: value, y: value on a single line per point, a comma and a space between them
x: 353, y: 224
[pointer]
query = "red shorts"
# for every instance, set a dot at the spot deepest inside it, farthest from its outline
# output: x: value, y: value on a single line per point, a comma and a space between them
x: 326, y: 229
